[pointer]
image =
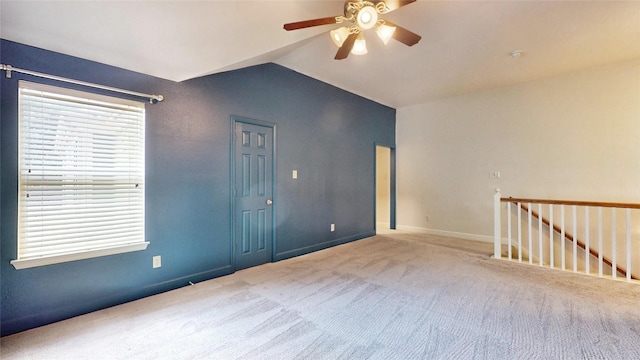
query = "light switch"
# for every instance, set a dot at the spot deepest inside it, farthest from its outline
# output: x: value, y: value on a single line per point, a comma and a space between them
x: 157, y: 261
x: 294, y: 174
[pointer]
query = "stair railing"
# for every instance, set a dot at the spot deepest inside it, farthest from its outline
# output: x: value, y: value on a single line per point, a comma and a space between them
x: 550, y: 236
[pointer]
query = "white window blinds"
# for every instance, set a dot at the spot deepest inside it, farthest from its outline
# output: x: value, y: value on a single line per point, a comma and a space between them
x: 81, y: 176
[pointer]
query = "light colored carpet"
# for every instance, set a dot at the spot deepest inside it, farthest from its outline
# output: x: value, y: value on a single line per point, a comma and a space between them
x: 398, y: 296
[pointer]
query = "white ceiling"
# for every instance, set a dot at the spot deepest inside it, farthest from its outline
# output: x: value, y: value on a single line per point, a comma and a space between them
x: 465, y: 45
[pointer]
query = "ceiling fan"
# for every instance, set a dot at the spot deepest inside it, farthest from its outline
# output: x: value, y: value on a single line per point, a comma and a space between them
x: 364, y: 15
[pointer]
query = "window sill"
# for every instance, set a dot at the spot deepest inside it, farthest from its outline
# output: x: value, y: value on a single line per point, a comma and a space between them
x: 49, y: 260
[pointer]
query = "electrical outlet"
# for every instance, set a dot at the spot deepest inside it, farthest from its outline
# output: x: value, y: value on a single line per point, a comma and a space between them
x: 333, y: 227
x: 494, y: 174
x: 157, y: 261
x: 294, y: 174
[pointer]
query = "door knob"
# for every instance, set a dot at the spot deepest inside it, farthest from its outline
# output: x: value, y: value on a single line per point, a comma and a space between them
x: 269, y: 202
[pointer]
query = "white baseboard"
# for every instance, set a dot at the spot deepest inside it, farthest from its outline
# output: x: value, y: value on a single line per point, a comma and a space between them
x: 459, y: 235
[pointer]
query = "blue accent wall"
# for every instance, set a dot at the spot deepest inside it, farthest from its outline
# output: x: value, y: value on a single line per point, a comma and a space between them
x: 325, y: 133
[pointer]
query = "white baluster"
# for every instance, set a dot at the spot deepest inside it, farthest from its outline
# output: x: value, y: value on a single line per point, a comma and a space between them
x: 540, y: 257
x: 587, y: 252
x: 614, y: 245
x: 529, y: 233
x: 551, y: 254
x: 575, y: 239
x: 509, y: 231
x: 600, y: 241
x: 628, y: 244
x: 519, y: 232
x: 563, y: 239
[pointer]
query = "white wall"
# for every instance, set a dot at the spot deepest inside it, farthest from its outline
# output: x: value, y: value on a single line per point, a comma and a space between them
x: 574, y: 136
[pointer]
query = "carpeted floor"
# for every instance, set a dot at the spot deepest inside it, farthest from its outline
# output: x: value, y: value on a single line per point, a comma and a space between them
x: 396, y: 296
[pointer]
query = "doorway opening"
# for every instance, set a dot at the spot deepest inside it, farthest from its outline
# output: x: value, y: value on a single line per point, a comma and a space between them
x: 385, y: 200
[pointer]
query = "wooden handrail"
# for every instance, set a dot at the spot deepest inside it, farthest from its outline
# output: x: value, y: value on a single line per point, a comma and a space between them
x: 567, y: 235
x: 572, y: 202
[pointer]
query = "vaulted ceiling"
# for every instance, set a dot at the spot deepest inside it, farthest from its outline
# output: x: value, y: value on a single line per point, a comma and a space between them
x: 465, y: 45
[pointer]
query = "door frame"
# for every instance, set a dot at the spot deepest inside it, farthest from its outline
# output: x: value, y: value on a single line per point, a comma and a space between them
x: 232, y: 177
x: 392, y: 181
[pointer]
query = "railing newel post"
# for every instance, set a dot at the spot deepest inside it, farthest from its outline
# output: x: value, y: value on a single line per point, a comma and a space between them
x: 497, y: 233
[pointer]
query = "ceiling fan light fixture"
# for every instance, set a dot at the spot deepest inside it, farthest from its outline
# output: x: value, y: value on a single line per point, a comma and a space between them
x: 367, y: 17
x: 385, y: 32
x: 360, y: 46
x: 339, y: 35
x: 361, y: 15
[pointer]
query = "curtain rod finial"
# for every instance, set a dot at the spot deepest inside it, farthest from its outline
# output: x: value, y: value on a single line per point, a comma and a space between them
x: 154, y: 99
x: 6, y: 68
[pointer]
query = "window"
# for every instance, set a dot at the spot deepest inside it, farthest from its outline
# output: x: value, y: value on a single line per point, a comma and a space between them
x: 81, y: 175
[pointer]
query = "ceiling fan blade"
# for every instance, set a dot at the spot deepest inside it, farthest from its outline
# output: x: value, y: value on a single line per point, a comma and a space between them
x: 403, y: 35
x: 346, y: 47
x: 395, y: 4
x: 309, y: 23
